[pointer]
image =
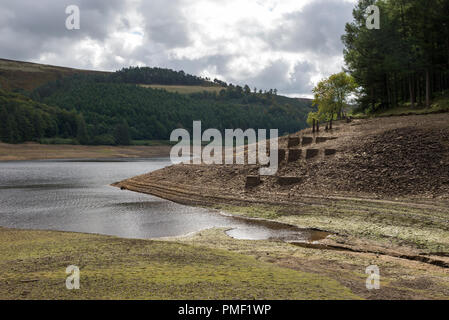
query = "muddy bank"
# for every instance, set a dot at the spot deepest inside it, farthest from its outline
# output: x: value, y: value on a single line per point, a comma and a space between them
x: 34, y: 151
x: 387, y: 158
x: 380, y: 185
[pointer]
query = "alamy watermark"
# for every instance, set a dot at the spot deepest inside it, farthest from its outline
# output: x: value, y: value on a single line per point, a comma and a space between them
x: 373, y: 17
x: 260, y: 150
x: 373, y: 280
x: 73, y: 21
x: 73, y: 280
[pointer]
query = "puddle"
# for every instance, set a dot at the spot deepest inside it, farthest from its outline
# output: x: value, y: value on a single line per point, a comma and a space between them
x: 267, y: 230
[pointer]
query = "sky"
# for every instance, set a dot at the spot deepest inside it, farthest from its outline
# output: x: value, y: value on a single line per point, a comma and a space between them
x: 285, y: 44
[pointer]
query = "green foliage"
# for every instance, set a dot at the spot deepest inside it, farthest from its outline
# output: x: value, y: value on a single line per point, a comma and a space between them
x: 121, y: 134
x: 115, y: 109
x: 81, y: 126
x: 22, y: 119
x: 331, y: 97
x: 407, y: 59
x: 152, y: 114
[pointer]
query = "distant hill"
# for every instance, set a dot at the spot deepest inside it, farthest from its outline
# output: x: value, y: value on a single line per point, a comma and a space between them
x: 139, y: 103
x: 27, y: 76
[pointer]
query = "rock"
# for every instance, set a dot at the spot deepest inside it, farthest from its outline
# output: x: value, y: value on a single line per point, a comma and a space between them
x: 294, y: 155
x: 293, y: 141
x: 311, y: 153
x: 307, y: 141
x: 283, y: 181
x: 281, y: 155
x: 252, y: 181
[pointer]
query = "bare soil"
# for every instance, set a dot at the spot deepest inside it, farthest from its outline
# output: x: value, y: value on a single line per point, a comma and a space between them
x: 380, y: 158
x: 34, y: 151
x: 384, y: 193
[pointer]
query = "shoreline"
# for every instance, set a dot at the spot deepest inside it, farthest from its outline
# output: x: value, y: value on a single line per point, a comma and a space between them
x: 34, y: 151
x: 175, y: 268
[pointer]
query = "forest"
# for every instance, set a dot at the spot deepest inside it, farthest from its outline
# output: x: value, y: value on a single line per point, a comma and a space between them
x: 406, y: 60
x: 22, y: 119
x: 108, y: 109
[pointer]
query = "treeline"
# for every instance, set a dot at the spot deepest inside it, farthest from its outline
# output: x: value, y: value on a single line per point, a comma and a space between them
x: 406, y: 60
x: 108, y: 109
x: 22, y: 119
x: 154, y: 113
x: 147, y: 75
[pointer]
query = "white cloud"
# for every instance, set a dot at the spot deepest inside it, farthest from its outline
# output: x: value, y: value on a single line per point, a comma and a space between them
x: 283, y: 44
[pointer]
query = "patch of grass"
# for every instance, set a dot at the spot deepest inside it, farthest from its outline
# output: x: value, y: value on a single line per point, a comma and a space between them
x: 152, y: 143
x: 255, y: 211
x: 33, y: 264
x: 183, y: 89
x: 439, y: 105
x: 58, y: 141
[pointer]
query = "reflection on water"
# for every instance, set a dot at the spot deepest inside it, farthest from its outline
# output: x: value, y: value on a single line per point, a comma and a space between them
x: 77, y: 196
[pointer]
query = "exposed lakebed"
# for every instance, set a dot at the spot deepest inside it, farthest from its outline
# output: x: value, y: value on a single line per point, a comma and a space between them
x: 77, y: 196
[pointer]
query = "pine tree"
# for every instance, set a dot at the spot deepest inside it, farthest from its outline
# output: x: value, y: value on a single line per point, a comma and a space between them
x: 121, y: 135
x: 81, y: 130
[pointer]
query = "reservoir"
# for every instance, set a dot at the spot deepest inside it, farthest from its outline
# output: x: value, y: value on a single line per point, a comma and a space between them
x: 77, y: 196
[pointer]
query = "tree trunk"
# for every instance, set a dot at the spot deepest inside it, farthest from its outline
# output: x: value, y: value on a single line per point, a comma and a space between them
x: 412, y: 95
x: 427, y: 88
x: 313, y: 130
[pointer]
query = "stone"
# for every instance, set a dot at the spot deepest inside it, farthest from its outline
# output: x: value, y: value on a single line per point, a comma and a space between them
x: 283, y: 181
x: 320, y: 139
x: 294, y: 155
x: 293, y: 141
x: 252, y: 181
x: 281, y: 155
x: 329, y: 152
x: 311, y: 153
x: 307, y: 140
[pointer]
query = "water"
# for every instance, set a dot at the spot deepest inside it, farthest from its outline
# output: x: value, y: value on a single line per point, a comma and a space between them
x: 77, y: 196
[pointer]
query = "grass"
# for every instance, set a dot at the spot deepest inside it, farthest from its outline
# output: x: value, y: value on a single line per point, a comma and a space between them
x: 385, y: 223
x: 58, y: 141
x: 33, y: 263
x: 182, y: 89
x: 439, y: 105
x: 152, y: 143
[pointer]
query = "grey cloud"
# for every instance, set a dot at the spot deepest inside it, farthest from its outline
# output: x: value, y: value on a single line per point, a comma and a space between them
x: 29, y: 30
x: 317, y: 28
x: 166, y: 23
x: 28, y: 27
x: 276, y: 75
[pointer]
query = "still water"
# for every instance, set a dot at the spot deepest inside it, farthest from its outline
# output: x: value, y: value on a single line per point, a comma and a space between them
x: 77, y: 196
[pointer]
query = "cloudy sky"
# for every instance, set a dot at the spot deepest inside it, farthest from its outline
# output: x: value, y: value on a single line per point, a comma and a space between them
x: 283, y: 44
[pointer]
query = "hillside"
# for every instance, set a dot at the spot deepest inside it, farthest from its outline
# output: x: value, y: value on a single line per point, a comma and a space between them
x: 142, y: 103
x: 380, y: 185
x: 22, y: 119
x: 376, y: 158
x: 27, y: 76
